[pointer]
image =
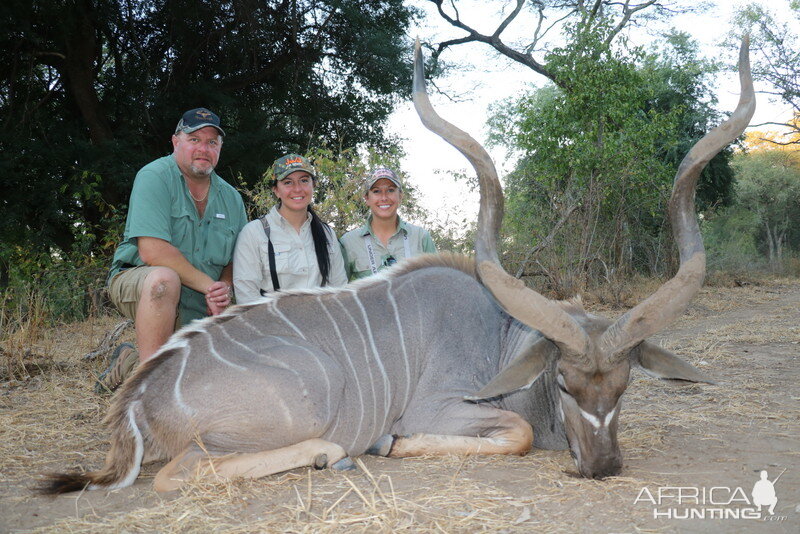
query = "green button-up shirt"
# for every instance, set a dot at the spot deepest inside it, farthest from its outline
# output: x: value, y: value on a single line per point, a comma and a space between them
x: 356, y: 257
x: 161, y: 206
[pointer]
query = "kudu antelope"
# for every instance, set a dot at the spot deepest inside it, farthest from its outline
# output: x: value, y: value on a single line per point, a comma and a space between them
x: 389, y: 365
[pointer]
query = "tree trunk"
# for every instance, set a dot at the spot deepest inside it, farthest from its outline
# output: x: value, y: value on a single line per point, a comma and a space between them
x: 80, y: 44
x: 79, y: 71
x: 770, y: 243
x: 779, y: 241
x: 4, y: 274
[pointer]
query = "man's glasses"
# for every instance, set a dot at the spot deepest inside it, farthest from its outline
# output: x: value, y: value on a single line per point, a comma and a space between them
x: 389, y: 261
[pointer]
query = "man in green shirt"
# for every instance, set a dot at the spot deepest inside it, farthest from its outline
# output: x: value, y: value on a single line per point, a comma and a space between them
x: 174, y: 263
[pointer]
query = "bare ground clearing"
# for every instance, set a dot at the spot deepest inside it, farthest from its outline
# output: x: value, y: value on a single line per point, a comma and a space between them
x: 690, y: 436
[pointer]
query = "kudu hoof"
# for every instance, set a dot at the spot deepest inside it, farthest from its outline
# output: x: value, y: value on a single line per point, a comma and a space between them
x: 382, y: 447
x: 345, y: 464
x: 320, y: 461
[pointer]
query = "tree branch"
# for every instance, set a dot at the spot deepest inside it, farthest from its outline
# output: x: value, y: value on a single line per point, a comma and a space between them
x: 544, y: 243
x: 492, y: 40
x: 275, y: 67
x: 508, y: 19
x: 627, y: 14
x: 587, y: 11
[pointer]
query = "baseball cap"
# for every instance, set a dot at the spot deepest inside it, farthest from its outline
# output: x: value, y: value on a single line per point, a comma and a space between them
x: 286, y: 165
x: 194, y: 119
x: 382, y: 172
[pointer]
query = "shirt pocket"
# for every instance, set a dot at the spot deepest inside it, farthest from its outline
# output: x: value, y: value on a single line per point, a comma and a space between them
x: 183, y: 233
x: 362, y: 263
x: 283, y: 263
x: 220, y: 242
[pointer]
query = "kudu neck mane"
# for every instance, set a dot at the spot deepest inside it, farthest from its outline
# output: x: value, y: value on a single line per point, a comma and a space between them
x: 468, y: 265
x: 459, y: 262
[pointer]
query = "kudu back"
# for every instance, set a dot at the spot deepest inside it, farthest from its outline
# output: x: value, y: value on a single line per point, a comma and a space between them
x: 390, y: 364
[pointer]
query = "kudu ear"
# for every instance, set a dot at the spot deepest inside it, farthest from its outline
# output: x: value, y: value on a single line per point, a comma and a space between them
x: 661, y: 363
x: 520, y: 373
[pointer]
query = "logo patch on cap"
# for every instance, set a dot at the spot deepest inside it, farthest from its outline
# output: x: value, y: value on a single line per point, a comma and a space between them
x: 194, y: 119
x: 383, y: 173
x: 289, y: 163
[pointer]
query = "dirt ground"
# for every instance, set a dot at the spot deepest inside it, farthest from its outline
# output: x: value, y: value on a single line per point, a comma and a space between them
x: 690, y: 450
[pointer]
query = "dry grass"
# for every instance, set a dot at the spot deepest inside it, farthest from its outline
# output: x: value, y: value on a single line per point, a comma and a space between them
x: 50, y: 420
x: 20, y: 328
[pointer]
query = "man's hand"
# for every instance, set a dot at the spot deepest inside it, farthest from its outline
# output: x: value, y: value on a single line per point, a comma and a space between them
x: 218, y: 297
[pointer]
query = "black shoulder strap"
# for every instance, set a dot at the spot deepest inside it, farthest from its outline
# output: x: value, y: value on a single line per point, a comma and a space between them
x: 271, y: 253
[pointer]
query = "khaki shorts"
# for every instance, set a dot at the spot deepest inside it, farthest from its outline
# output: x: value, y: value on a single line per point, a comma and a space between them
x: 125, y: 290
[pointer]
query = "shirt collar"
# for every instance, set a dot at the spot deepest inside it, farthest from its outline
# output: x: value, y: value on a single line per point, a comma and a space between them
x: 276, y: 215
x: 366, y: 228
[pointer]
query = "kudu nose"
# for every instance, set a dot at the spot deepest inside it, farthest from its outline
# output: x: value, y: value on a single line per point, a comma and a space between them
x: 602, y: 467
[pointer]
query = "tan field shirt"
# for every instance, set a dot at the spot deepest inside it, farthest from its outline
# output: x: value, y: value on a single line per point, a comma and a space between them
x: 295, y: 258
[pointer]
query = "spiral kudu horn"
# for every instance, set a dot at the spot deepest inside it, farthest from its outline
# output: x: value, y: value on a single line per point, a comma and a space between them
x: 521, y: 302
x: 672, y: 298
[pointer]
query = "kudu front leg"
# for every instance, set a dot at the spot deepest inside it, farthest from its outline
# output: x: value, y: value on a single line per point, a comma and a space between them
x: 194, y: 463
x: 511, y: 435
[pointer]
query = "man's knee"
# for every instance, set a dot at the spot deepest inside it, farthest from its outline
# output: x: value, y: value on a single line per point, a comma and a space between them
x: 162, y: 284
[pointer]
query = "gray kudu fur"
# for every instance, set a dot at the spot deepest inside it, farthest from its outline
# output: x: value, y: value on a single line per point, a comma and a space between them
x: 389, y: 365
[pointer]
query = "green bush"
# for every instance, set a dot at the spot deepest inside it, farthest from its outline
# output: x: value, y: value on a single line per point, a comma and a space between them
x: 730, y: 240
x: 66, y: 287
x: 69, y: 290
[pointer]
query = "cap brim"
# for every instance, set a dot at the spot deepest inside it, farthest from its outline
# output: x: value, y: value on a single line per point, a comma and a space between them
x: 287, y: 172
x: 186, y: 129
x: 372, y: 182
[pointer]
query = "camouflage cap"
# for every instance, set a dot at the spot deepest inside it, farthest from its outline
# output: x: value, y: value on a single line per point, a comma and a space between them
x: 194, y: 119
x: 286, y: 165
x: 379, y: 173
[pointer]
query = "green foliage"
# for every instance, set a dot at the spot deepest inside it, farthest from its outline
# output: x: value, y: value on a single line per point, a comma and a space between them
x: 66, y: 285
x: 769, y: 186
x: 66, y: 288
x: 729, y: 237
x: 92, y: 90
x: 762, y: 228
x: 598, y: 154
x: 681, y: 83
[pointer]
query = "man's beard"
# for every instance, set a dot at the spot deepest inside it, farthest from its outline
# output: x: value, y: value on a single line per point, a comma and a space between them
x: 203, y: 172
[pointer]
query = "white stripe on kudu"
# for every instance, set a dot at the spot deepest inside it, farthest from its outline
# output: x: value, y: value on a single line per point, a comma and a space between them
x: 218, y: 356
x: 323, y: 373
x: 401, y: 337
x: 262, y: 356
x: 186, y: 409
x: 350, y: 364
x: 357, y: 327
x: 245, y: 320
x: 388, y: 386
x: 274, y: 307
